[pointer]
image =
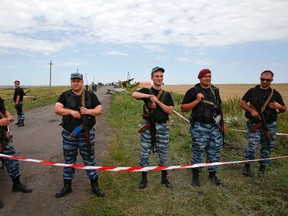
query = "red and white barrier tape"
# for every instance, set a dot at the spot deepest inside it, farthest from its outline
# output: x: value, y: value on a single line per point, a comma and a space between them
x: 238, y: 130
x: 132, y: 168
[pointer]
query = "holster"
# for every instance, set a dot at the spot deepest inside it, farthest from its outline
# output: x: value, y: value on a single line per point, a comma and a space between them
x: 144, y: 127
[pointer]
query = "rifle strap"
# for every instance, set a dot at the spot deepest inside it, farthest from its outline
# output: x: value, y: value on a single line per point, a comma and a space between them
x: 83, y: 98
x: 267, y: 101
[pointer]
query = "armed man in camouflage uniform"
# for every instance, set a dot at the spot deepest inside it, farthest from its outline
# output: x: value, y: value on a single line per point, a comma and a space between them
x: 206, y: 124
x: 6, y: 147
x: 158, y: 106
x: 262, y: 104
x: 79, y: 109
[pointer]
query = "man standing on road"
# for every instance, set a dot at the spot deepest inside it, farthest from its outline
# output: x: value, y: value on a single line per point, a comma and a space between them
x: 154, y: 131
x: 206, y: 124
x: 79, y: 109
x: 18, y: 100
x: 6, y: 147
x: 262, y: 104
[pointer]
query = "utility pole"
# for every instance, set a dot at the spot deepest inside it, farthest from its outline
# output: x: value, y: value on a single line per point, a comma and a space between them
x: 50, y: 74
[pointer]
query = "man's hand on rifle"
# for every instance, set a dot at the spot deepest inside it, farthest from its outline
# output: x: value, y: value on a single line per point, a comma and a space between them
x: 255, y: 114
x: 84, y: 110
x: 153, y: 101
x: 75, y: 114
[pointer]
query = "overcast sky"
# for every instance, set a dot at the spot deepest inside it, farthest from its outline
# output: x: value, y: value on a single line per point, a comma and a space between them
x: 108, y: 40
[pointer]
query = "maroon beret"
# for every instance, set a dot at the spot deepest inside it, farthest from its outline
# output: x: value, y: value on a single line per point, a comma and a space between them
x: 203, y: 72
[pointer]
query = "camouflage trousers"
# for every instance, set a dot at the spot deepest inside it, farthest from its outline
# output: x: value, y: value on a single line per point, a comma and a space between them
x: 206, y: 138
x: 70, y: 152
x: 20, y: 112
x: 254, y: 139
x: 12, y: 166
x: 162, y: 145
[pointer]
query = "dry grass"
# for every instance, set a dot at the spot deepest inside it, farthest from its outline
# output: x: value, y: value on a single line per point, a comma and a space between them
x: 231, y: 90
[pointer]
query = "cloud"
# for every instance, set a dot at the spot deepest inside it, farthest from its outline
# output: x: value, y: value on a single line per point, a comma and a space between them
x: 53, y: 25
x: 115, y: 53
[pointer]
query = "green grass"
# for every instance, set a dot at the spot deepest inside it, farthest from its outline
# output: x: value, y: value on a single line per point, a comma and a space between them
x: 239, y: 196
x: 38, y: 96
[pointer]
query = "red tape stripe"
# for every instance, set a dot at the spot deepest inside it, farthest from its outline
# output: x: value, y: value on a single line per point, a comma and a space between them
x: 133, y: 168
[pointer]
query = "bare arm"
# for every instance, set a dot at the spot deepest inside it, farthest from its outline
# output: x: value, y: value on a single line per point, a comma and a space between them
x: 276, y: 105
x: 244, y: 105
x: 189, y: 106
x: 139, y: 95
x: 94, y: 112
x: 59, y: 109
x: 164, y: 107
x: 7, y: 119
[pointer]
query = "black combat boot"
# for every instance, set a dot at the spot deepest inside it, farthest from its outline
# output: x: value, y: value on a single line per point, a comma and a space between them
x: 19, y: 187
x: 213, y: 178
x: 195, y: 178
x: 1, y: 204
x: 164, y: 179
x: 261, y: 170
x: 18, y: 122
x: 65, y: 190
x: 21, y: 123
x: 246, y: 170
x: 144, y: 181
x: 95, y: 188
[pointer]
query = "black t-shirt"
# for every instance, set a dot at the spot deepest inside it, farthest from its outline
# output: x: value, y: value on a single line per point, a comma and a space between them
x: 257, y: 98
x: 158, y: 113
x: 72, y: 101
x: 18, y: 92
x: 204, y: 112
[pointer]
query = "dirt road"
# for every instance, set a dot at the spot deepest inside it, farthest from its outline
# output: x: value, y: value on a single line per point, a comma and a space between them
x: 41, y: 139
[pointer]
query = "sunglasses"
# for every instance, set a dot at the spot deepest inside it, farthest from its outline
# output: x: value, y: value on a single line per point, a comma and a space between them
x: 267, y: 80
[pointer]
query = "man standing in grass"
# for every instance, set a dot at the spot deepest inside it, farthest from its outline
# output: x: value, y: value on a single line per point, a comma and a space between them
x: 18, y: 100
x: 158, y: 105
x: 262, y: 104
x: 78, y: 109
x: 206, y: 124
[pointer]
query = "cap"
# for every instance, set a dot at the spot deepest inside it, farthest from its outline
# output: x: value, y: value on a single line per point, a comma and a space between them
x: 76, y: 76
x: 157, y: 69
x: 203, y: 72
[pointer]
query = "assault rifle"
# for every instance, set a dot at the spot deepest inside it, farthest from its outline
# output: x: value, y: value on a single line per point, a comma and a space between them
x: 83, y: 126
x: 150, y: 125
x: 262, y: 124
x: 25, y: 93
